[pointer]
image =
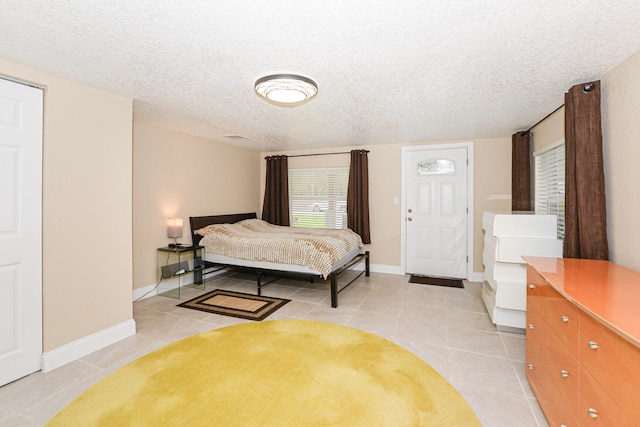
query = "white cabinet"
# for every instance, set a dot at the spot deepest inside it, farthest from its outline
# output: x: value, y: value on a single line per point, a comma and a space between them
x: 507, y: 238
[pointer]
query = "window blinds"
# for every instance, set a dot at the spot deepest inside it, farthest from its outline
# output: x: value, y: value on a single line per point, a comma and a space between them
x: 549, y: 183
x: 318, y: 197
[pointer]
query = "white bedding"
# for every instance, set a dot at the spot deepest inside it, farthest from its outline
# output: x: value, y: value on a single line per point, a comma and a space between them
x: 254, y: 240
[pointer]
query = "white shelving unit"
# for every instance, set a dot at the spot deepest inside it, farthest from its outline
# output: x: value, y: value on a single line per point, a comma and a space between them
x: 508, y: 237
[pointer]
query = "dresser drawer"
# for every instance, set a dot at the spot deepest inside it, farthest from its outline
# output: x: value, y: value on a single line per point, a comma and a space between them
x: 549, y: 397
x: 558, y: 416
x: 562, y: 316
x: 535, y: 374
x: 537, y: 289
x: 613, y: 362
x: 563, y: 370
x: 596, y: 406
x: 546, y: 352
x: 535, y: 330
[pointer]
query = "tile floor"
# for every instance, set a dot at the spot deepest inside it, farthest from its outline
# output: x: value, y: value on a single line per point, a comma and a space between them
x: 448, y: 328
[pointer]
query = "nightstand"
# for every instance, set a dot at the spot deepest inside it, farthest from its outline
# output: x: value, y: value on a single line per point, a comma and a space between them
x: 177, y: 267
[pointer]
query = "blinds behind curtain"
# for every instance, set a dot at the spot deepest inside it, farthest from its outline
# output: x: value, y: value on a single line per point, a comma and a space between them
x: 550, y: 188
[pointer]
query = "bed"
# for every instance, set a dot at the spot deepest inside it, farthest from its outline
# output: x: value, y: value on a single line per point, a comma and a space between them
x: 220, y: 252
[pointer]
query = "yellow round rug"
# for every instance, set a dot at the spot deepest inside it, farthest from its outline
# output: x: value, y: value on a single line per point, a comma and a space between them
x: 275, y: 373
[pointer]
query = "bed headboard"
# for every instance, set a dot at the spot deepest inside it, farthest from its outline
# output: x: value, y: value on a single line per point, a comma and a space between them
x: 197, y: 222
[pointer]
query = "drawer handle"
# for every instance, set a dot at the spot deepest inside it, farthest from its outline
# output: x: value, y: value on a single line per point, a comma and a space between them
x: 565, y: 319
x: 593, y: 345
x: 531, y: 286
x: 530, y: 366
x: 564, y: 374
x: 530, y: 326
x: 592, y: 413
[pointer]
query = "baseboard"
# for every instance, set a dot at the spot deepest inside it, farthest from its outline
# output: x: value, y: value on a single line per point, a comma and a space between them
x: 146, y: 292
x: 80, y: 348
x: 476, y: 277
x: 386, y: 269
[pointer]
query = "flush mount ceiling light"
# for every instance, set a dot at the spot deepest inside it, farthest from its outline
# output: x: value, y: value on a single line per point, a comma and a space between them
x: 286, y: 89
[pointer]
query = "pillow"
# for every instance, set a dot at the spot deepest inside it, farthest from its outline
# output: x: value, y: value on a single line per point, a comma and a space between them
x: 206, y: 230
x: 218, y: 227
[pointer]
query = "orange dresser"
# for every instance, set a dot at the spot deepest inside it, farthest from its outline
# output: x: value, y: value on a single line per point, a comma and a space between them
x: 583, y: 341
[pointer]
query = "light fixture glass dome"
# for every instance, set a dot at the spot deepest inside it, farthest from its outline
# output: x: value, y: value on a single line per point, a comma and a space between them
x: 289, y: 89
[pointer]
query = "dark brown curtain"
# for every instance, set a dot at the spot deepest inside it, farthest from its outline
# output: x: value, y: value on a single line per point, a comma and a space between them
x: 585, y: 209
x: 275, y: 208
x: 521, y: 171
x: 358, y: 195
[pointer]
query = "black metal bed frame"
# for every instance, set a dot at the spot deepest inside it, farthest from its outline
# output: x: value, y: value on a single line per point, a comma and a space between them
x: 200, y: 222
x: 279, y: 274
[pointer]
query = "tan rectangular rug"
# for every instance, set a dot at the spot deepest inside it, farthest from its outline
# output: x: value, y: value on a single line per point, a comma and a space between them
x: 235, y: 304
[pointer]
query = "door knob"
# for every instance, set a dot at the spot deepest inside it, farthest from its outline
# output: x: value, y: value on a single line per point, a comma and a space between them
x: 409, y: 219
x: 410, y: 210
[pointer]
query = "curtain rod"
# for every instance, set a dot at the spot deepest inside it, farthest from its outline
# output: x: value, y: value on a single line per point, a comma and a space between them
x: 586, y: 88
x: 320, y: 154
x: 543, y: 119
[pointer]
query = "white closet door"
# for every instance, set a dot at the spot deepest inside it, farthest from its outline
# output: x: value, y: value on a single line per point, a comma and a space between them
x: 20, y: 230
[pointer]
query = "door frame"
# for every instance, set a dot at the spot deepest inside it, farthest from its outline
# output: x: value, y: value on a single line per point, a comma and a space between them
x: 470, y: 192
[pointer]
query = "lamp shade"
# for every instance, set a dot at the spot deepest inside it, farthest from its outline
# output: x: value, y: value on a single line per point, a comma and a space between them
x: 174, y: 227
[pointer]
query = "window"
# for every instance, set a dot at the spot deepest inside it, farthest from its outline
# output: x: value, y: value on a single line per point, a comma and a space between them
x: 318, y: 197
x: 437, y: 167
x: 549, y: 182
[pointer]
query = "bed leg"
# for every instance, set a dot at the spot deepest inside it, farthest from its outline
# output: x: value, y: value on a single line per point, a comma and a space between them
x: 366, y: 264
x: 334, y: 290
x: 258, y: 277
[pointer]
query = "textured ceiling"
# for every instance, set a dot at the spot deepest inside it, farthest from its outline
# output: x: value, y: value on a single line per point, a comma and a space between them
x: 388, y: 71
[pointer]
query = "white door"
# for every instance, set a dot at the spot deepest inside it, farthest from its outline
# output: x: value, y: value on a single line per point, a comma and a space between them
x: 437, y: 210
x: 20, y: 230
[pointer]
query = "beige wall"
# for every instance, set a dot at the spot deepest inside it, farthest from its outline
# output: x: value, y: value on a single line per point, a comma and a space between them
x: 621, y: 136
x: 492, y: 181
x: 177, y: 175
x: 492, y: 187
x: 87, y: 262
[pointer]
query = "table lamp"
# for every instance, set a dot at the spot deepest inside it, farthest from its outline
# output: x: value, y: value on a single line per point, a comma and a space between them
x: 174, y: 230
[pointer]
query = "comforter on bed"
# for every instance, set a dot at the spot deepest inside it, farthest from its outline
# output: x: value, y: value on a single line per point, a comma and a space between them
x: 254, y: 239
